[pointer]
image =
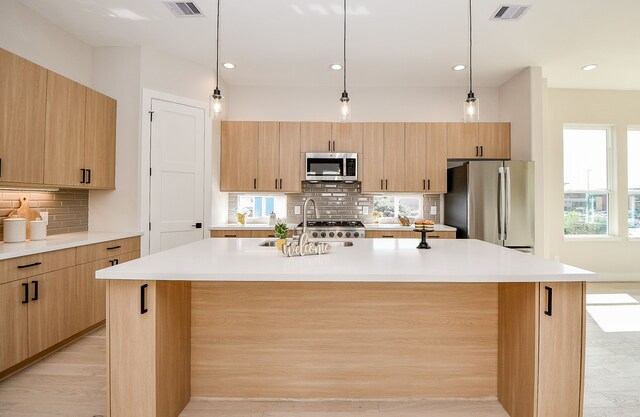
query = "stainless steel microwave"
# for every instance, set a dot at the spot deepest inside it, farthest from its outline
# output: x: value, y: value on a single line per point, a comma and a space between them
x: 331, y: 167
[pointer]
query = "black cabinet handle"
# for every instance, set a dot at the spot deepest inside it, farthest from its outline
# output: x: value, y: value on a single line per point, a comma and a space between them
x: 117, y: 261
x: 143, y: 299
x: 0, y: 167
x: 255, y: 183
x: 481, y: 150
x: 111, y: 262
x: 386, y: 184
x: 329, y: 143
x: 84, y: 174
x: 424, y: 185
x: 428, y: 184
x: 387, y: 236
x: 382, y: 184
x: 26, y: 293
x: 477, y: 151
x: 88, y: 176
x: 281, y: 183
x: 35, y: 290
x: 549, y: 309
x: 114, y: 247
x: 334, y: 145
x: 230, y: 235
x: 29, y: 265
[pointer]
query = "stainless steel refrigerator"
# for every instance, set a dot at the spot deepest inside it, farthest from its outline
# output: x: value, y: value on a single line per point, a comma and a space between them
x: 492, y: 201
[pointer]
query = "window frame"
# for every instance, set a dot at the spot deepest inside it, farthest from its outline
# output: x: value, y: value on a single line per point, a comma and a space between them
x: 610, y: 191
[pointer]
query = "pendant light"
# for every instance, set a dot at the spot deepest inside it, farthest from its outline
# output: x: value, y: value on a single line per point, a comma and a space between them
x: 215, y: 99
x: 345, y: 106
x: 471, y: 104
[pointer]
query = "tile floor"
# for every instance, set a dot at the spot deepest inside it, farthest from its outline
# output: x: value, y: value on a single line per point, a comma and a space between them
x: 71, y: 382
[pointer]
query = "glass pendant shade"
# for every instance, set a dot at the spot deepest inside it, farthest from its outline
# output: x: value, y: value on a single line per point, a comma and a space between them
x: 471, y: 109
x: 345, y: 108
x: 216, y: 105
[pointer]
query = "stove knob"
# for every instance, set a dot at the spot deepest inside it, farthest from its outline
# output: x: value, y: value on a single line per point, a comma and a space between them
x: 323, y: 234
x: 356, y: 234
x: 339, y: 234
x: 315, y: 234
x: 348, y: 234
x: 331, y: 234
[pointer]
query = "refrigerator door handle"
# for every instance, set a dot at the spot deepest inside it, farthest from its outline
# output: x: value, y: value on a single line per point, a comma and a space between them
x: 501, y: 203
x: 507, y: 214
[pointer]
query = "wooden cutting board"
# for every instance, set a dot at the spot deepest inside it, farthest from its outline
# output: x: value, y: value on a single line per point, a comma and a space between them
x: 26, y: 212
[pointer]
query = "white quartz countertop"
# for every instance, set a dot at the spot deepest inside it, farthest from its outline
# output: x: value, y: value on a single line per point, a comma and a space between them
x: 398, y: 226
x: 369, y: 260
x: 58, y: 242
x: 370, y: 226
x: 252, y: 226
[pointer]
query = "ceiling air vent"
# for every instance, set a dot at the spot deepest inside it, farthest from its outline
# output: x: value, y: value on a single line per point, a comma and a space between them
x: 510, y: 12
x: 183, y: 9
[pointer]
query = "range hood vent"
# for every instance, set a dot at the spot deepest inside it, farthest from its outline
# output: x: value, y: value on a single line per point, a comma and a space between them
x: 183, y: 9
x: 510, y: 12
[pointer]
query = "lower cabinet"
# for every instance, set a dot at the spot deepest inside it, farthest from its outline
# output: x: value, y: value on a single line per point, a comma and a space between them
x: 246, y: 233
x: 14, y: 323
x: 407, y: 234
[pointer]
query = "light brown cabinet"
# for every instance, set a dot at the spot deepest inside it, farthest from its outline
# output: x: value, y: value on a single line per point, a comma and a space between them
x: 331, y: 137
x: 315, y: 137
x: 407, y: 234
x: 239, y: 156
x: 479, y: 140
x: 383, y: 157
x: 425, y: 157
x: 100, y: 141
x: 231, y: 233
x: 23, y: 87
x: 14, y: 323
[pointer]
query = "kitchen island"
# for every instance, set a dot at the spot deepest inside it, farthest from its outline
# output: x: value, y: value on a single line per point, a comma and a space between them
x: 229, y: 318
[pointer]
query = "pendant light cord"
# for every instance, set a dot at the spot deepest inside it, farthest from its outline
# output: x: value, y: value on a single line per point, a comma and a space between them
x: 344, y: 48
x: 470, y: 50
x: 217, y: 44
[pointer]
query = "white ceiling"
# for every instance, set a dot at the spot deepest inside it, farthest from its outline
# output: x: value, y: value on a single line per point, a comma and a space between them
x: 390, y: 42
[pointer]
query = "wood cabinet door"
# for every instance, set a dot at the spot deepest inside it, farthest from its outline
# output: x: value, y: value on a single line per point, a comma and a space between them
x: 268, y: 156
x: 494, y: 140
x: 462, y: 141
x: 290, y: 158
x: 347, y: 137
x: 316, y: 136
x: 372, y: 160
x: 100, y: 141
x: 13, y: 324
x: 239, y: 156
x: 64, y: 131
x: 415, y: 157
x: 394, y: 156
x: 23, y: 87
x: 91, y: 293
x: 53, y: 315
x: 436, y: 158
x: 561, y: 349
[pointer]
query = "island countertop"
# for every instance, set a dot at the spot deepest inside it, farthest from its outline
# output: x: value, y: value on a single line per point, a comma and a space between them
x: 369, y: 260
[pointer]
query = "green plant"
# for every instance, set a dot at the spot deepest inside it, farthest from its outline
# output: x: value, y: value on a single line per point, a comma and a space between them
x: 281, y: 230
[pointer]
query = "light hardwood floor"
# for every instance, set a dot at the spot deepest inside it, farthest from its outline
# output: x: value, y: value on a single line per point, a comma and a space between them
x: 71, y: 383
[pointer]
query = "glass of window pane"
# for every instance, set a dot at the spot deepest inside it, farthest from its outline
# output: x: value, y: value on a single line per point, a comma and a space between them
x: 585, y: 159
x: 586, y: 214
x: 385, y: 205
x: 633, y: 168
x: 409, y: 206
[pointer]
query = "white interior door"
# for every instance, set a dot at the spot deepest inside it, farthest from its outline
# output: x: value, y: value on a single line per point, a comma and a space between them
x: 176, y: 204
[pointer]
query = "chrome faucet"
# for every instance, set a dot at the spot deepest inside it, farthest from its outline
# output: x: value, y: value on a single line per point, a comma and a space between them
x: 304, y: 213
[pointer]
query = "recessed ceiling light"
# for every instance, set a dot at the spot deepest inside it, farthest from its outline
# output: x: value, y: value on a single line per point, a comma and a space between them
x: 589, y: 67
x: 458, y: 67
x: 228, y: 65
x: 336, y: 67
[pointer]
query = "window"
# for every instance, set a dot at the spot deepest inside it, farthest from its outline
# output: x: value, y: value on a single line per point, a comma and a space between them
x: 633, y: 168
x: 402, y: 205
x: 586, y: 181
x: 262, y: 205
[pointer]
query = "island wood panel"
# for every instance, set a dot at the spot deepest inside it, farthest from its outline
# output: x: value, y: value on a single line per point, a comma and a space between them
x: 23, y: 87
x: 148, y: 354
x: 344, y: 340
x: 100, y: 143
x: 518, y: 322
x: 13, y: 324
x: 290, y: 173
x: 372, y: 161
x: 268, y: 156
x: 64, y: 131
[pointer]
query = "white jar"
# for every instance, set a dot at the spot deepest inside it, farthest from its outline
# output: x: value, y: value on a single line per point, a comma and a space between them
x: 15, y: 230
x: 38, y: 230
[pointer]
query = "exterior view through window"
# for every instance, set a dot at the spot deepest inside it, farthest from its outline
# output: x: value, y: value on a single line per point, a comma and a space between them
x: 586, y: 181
x: 633, y: 168
x: 394, y: 206
x: 262, y: 205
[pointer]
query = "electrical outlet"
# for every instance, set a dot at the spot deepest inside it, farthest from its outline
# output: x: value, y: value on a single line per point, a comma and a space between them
x: 365, y: 210
x: 434, y: 210
x: 45, y: 216
x: 296, y: 209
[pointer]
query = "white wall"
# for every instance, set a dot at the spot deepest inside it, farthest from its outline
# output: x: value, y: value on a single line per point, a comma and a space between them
x: 116, y: 73
x: 398, y: 104
x: 615, y: 257
x: 29, y: 35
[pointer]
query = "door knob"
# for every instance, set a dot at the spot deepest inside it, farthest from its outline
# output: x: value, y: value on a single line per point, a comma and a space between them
x: 197, y: 225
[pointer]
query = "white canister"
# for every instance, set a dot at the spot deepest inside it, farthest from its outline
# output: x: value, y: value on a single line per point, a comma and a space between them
x: 15, y: 230
x: 38, y: 230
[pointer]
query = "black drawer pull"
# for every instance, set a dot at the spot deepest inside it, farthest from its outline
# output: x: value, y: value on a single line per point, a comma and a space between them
x: 428, y: 184
x: 84, y: 175
x: 114, y: 247
x: 143, y: 299
x: 230, y: 235
x: 387, y: 236
x: 88, y: 176
x: 30, y: 265
x: 26, y: 293
x: 35, y: 290
x: 549, y: 310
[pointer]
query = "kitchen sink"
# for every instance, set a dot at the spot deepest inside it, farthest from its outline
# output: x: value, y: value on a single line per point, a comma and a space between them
x: 272, y: 243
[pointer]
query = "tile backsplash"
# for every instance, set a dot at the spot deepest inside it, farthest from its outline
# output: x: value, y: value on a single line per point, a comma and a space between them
x: 68, y: 209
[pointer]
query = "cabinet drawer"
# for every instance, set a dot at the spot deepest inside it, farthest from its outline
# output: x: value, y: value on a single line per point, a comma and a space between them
x: 28, y: 266
x: 391, y: 234
x: 104, y: 250
x: 441, y: 235
x: 231, y: 233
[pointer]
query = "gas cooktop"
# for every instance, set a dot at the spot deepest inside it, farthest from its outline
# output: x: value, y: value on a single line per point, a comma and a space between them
x: 333, y: 223
x: 335, y: 229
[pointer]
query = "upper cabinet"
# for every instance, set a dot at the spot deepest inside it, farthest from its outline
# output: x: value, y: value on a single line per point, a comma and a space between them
x: 53, y: 131
x: 425, y: 157
x: 383, y: 157
x: 315, y: 137
x: 479, y: 140
x: 332, y: 137
x: 23, y: 87
x: 260, y: 156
